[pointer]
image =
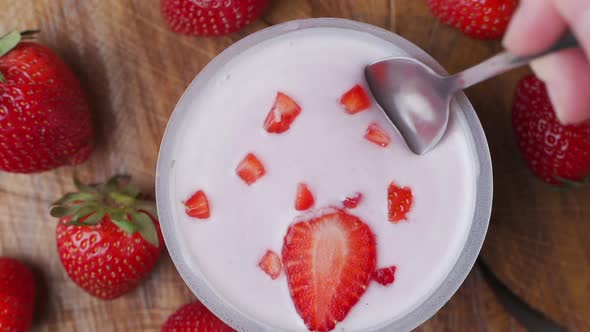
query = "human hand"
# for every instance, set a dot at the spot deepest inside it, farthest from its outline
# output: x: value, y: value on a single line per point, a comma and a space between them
x: 535, y: 26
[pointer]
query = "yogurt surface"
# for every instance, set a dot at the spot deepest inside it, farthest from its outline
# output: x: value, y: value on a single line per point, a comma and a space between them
x: 325, y: 148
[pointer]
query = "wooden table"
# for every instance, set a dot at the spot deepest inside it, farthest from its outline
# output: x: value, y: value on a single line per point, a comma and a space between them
x: 134, y: 70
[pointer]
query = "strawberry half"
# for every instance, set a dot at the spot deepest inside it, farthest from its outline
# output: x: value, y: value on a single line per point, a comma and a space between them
x: 250, y: 169
x: 377, y: 135
x: 197, y: 206
x: 355, y: 100
x: 385, y: 276
x: 282, y: 114
x: 271, y: 264
x: 304, y: 199
x: 399, y: 202
x: 329, y: 261
x: 194, y: 317
x: 352, y: 202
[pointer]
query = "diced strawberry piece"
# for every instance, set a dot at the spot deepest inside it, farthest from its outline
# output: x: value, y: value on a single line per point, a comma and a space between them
x: 385, y: 276
x: 304, y: 199
x: 271, y: 264
x: 377, y: 135
x: 197, y: 206
x: 352, y: 202
x: 250, y: 169
x: 399, y: 202
x: 355, y: 100
x: 329, y: 261
x: 282, y: 114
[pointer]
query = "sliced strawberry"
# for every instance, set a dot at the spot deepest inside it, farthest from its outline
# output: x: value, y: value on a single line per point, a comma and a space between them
x: 250, y: 169
x: 271, y: 264
x: 282, y: 114
x: 399, y: 202
x: 377, y: 135
x: 197, y: 206
x: 352, y: 202
x: 329, y: 261
x: 355, y: 100
x: 304, y: 199
x: 385, y: 276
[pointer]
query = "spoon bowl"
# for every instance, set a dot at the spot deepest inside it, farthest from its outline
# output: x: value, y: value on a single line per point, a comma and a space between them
x: 414, y: 97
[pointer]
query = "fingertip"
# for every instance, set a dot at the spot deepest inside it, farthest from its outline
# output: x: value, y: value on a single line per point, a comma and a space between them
x: 567, y: 76
x: 535, y: 25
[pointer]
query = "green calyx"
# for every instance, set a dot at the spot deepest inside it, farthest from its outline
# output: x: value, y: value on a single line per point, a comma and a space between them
x: 9, y: 42
x: 115, y: 198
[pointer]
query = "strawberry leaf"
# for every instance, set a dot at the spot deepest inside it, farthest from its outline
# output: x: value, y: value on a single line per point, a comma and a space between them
x: 64, y: 211
x: 83, y: 187
x: 147, y: 229
x: 94, y: 218
x: 9, y: 41
x: 122, y: 198
x: 125, y: 225
x: 83, y: 212
x: 73, y: 197
x: 148, y: 207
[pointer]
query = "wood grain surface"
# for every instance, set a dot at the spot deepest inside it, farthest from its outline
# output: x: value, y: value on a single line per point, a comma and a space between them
x: 134, y: 70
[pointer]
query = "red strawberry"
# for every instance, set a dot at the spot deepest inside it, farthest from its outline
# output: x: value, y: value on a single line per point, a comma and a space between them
x: 250, y: 169
x: 211, y: 17
x: 377, y: 135
x: 352, y: 202
x: 385, y: 276
x: 271, y: 264
x: 197, y: 206
x: 194, y: 317
x: 399, y: 202
x: 304, y: 199
x: 482, y: 19
x: 44, y: 116
x: 355, y: 100
x: 17, y: 296
x: 282, y: 114
x: 107, y: 238
x: 555, y: 153
x: 328, y: 261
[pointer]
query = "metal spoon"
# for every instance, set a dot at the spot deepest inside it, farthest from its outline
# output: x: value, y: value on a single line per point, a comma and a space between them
x: 416, y: 99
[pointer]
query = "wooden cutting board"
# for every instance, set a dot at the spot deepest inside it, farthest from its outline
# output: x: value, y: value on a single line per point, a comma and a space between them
x: 134, y: 70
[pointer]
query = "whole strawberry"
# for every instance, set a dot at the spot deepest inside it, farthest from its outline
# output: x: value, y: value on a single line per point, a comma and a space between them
x: 211, y: 17
x: 107, y: 238
x: 194, y: 317
x: 44, y: 116
x: 555, y: 153
x: 17, y: 296
x: 481, y: 19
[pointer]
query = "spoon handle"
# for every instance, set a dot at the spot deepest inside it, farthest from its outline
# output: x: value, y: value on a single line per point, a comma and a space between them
x: 503, y: 62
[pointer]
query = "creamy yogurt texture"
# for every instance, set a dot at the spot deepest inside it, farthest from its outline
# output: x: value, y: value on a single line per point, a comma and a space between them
x: 324, y: 148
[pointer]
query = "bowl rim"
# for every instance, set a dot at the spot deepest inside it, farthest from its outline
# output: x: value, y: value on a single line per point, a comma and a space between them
x: 483, y: 172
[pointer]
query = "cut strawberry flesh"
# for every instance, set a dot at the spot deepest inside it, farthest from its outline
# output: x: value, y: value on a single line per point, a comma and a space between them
x: 355, y: 100
x: 282, y: 114
x: 399, y: 202
x: 271, y: 264
x: 329, y: 261
x: 385, y: 276
x: 250, y: 169
x: 304, y: 199
x: 352, y: 202
x: 377, y: 135
x: 197, y: 205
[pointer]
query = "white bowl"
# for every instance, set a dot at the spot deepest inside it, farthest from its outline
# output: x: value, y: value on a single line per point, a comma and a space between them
x: 467, y: 119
